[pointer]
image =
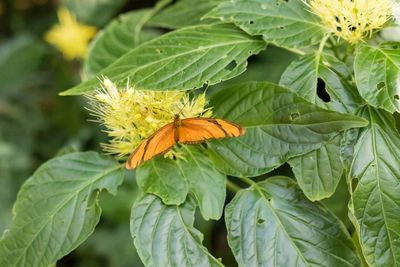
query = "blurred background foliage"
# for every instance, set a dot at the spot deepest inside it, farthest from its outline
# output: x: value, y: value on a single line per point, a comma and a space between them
x: 36, y: 124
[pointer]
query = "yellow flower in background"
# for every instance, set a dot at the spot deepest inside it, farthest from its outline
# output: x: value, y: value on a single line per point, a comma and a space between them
x: 131, y: 115
x: 70, y: 36
x: 353, y: 20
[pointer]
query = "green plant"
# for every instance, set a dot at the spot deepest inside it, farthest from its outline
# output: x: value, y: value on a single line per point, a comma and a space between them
x: 331, y: 117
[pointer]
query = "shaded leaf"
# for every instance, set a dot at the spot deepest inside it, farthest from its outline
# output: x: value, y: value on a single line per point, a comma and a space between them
x: 284, y: 23
x: 273, y: 224
x: 377, y: 73
x: 95, y: 12
x: 184, y: 13
x: 279, y: 125
x: 57, y: 209
x: 318, y: 172
x: 164, y: 178
x: 165, y: 236
x: 302, y: 77
x: 206, y: 183
x: 119, y: 37
x: 375, y: 199
x: 182, y: 60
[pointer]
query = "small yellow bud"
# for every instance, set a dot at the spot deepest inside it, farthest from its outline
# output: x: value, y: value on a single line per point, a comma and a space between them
x: 353, y: 20
x: 130, y: 115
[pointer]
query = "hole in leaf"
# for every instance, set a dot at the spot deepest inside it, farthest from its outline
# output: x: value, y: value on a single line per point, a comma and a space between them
x: 321, y: 91
x: 231, y: 65
x: 339, y: 29
x: 160, y: 51
x: 294, y: 116
x: 250, y: 52
x: 260, y: 221
x: 352, y: 28
x: 251, y: 22
x: 337, y: 19
x: 281, y: 27
x: 380, y: 86
x: 397, y: 97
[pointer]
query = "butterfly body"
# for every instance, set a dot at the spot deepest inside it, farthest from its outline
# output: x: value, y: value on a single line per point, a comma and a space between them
x: 185, y: 131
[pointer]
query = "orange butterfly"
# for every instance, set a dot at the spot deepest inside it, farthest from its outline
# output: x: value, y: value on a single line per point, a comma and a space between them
x: 185, y: 131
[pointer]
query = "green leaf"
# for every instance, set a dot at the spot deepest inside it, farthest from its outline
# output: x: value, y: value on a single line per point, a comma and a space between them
x: 119, y: 37
x: 284, y: 23
x: 279, y: 125
x: 184, y: 13
x: 302, y: 77
x: 375, y: 200
x: 318, y: 172
x: 164, y: 178
x: 377, y: 73
x: 182, y: 60
x: 273, y: 224
x: 171, y: 180
x: 57, y: 209
x: 165, y: 236
x: 95, y: 12
x: 206, y: 183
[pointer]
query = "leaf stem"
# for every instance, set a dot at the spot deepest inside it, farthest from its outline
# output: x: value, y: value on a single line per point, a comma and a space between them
x: 232, y: 186
x: 322, y: 44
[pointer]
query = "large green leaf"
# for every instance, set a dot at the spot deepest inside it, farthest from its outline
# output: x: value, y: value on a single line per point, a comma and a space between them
x: 284, y: 23
x: 171, y: 180
x: 273, y: 224
x: 182, y: 60
x: 302, y: 77
x: 279, y: 125
x: 375, y: 200
x: 57, y: 209
x: 165, y: 236
x: 318, y: 172
x: 164, y: 178
x: 377, y: 72
x: 184, y: 13
x: 119, y: 37
x: 96, y: 12
x: 206, y: 183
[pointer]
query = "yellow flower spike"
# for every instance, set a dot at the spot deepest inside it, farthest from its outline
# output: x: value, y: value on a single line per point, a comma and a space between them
x: 353, y: 20
x: 130, y: 115
x: 69, y: 36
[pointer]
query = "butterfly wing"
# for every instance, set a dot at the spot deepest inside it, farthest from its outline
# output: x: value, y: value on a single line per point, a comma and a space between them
x: 158, y: 143
x: 197, y: 130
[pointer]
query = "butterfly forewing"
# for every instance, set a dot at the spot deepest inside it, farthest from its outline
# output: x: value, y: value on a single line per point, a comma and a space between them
x: 158, y: 143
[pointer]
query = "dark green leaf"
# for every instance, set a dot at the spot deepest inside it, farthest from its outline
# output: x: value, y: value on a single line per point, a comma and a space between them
x: 284, y: 23
x: 182, y: 60
x: 171, y: 180
x: 184, y: 13
x: 375, y: 200
x: 318, y: 172
x: 377, y: 72
x: 95, y: 12
x: 206, y: 183
x: 302, y: 77
x: 57, y: 209
x: 119, y: 37
x: 164, y: 178
x: 279, y: 125
x: 273, y: 224
x: 165, y: 236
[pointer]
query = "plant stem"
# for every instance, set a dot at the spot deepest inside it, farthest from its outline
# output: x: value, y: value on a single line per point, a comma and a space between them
x: 232, y: 186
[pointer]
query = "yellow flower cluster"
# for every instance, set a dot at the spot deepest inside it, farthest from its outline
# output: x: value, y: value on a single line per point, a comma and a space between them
x: 353, y: 20
x: 131, y: 115
x: 69, y: 36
